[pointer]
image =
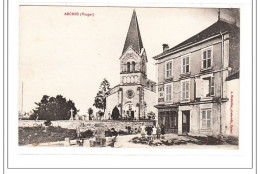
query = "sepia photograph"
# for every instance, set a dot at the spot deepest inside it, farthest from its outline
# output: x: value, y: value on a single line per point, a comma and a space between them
x: 129, y: 77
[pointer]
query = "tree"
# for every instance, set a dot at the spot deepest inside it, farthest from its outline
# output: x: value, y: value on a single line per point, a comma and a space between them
x: 100, y: 99
x: 54, y: 108
x: 90, y: 112
x: 151, y: 115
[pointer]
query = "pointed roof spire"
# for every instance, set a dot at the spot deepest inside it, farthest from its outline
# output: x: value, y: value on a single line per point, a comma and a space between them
x: 133, y: 37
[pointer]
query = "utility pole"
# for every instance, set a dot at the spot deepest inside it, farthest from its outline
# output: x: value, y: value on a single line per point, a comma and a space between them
x: 22, y: 100
x: 219, y: 14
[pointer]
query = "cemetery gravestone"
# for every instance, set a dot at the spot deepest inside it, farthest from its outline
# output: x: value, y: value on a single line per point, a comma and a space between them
x: 71, y: 114
x: 67, y: 142
x: 100, y: 135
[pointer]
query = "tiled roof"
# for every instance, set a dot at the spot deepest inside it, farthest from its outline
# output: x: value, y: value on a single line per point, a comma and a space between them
x: 214, y: 29
x: 233, y: 76
x: 133, y: 37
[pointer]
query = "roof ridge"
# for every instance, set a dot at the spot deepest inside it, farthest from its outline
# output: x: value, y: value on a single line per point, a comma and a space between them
x: 219, y: 25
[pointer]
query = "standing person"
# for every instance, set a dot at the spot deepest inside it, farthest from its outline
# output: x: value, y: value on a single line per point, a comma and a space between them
x: 78, y: 132
x: 154, y: 132
x: 149, y: 130
x: 158, y: 131
x: 78, y: 135
x: 143, y: 130
x: 109, y: 116
x: 114, y: 135
x: 162, y: 130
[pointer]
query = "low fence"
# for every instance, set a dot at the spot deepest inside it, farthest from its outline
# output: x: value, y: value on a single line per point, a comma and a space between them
x: 72, y: 124
x: 30, y: 123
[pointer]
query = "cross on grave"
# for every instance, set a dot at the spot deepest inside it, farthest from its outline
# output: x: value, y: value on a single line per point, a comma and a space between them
x: 71, y: 114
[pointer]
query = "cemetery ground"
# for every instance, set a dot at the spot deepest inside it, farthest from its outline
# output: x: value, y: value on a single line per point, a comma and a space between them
x: 55, y: 136
x: 37, y: 135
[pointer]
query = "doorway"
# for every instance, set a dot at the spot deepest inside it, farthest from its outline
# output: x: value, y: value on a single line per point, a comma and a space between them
x: 170, y: 121
x: 185, y: 122
x: 115, y: 113
x: 132, y: 115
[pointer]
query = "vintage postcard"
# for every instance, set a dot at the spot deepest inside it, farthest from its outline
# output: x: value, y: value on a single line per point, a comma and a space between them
x: 125, y: 77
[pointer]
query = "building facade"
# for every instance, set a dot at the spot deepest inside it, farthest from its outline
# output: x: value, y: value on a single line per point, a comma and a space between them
x: 195, y: 82
x: 135, y: 96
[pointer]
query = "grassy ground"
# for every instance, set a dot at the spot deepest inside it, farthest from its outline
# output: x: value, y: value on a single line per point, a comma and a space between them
x: 36, y: 135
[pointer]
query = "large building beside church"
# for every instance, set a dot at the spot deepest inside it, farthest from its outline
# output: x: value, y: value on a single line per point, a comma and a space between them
x: 198, y: 82
x: 135, y: 96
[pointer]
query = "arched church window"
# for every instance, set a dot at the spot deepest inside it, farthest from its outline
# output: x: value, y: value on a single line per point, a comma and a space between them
x: 133, y: 66
x: 135, y: 79
x: 128, y: 66
x: 132, y: 79
x: 124, y: 68
x: 128, y: 80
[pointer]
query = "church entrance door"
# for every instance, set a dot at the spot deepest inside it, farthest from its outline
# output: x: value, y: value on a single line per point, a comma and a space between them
x: 115, y: 113
x: 129, y: 111
x: 132, y: 114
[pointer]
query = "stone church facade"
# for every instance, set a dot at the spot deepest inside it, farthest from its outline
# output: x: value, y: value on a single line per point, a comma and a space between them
x: 135, y: 96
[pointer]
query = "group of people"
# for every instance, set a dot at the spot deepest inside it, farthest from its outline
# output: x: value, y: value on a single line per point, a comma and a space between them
x: 153, y: 132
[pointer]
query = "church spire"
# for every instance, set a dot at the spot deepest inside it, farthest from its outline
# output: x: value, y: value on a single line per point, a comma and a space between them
x: 133, y: 37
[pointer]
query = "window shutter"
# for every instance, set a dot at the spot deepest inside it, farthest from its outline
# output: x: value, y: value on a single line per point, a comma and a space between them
x: 165, y: 93
x: 187, y: 90
x: 202, y: 58
x: 170, y: 91
x: 198, y: 88
x: 202, y: 92
x: 182, y: 90
x: 212, y: 87
x: 171, y: 69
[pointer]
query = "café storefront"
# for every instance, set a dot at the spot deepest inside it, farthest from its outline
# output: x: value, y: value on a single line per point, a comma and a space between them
x: 169, y: 118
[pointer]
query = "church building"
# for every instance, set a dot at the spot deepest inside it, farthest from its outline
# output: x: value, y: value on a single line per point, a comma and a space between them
x: 135, y: 96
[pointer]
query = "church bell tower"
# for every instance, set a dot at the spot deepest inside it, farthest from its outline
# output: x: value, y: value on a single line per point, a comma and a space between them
x: 135, y: 95
x: 133, y: 59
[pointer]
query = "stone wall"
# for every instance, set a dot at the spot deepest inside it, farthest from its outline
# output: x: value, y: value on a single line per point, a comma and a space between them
x: 118, y: 125
x: 30, y: 123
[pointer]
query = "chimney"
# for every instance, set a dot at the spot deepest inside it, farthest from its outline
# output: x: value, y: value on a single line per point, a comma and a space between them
x: 165, y: 47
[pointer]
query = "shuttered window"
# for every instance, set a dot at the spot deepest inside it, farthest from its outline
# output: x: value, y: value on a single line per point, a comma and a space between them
x: 185, y: 64
x: 168, y: 94
x: 206, y: 119
x: 128, y: 66
x: 168, y: 70
x: 205, y: 87
x: 206, y: 58
x: 185, y: 90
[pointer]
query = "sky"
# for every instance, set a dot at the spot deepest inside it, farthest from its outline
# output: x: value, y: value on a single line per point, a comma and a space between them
x: 71, y: 54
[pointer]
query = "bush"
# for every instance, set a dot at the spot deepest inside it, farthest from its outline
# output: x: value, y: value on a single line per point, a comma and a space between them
x: 108, y: 133
x: 231, y: 140
x: 47, y: 123
x: 121, y: 132
x: 87, y: 134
